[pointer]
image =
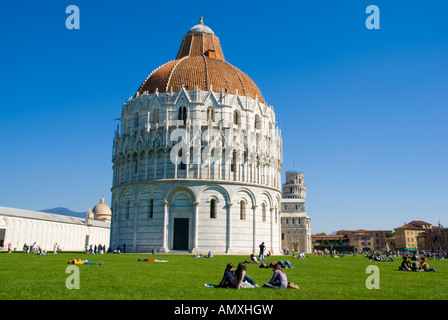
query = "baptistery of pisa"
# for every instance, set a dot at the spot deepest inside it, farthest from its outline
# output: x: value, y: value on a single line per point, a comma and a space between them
x: 197, y: 158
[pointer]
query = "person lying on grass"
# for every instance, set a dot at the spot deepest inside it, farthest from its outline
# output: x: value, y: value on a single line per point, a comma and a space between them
x: 152, y: 260
x: 282, y: 264
x: 79, y: 261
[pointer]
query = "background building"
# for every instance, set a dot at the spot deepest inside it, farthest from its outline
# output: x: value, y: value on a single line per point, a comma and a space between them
x: 296, y: 225
x: 366, y: 239
x: 337, y: 242
x: 19, y: 227
x: 197, y: 160
x: 406, y: 236
x: 434, y: 239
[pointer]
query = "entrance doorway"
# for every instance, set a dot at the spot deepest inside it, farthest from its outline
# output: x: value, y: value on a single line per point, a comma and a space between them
x: 180, y: 239
x: 2, y: 237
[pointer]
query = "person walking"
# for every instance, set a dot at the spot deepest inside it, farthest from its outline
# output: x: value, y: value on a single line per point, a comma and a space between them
x: 261, y: 255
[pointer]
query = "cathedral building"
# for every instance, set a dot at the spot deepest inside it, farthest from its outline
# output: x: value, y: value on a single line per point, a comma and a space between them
x: 46, y: 230
x: 296, y: 225
x: 197, y: 158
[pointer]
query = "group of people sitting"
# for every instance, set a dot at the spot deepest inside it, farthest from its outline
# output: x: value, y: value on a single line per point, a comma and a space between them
x: 414, y: 264
x: 238, y: 278
x: 200, y: 255
x: 378, y: 257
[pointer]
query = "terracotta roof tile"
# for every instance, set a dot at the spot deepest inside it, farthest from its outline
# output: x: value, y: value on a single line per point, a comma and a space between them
x: 192, y: 69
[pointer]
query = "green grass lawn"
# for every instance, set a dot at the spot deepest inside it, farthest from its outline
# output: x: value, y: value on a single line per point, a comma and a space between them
x: 123, y: 277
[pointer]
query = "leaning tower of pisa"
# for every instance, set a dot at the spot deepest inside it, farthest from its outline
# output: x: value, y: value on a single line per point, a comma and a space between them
x: 295, y: 223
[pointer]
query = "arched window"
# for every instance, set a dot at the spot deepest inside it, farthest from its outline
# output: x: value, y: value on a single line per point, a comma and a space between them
x: 236, y: 117
x: 213, y: 208
x: 210, y: 114
x: 135, y: 162
x: 136, y: 120
x: 263, y: 211
x: 183, y: 114
x: 242, y: 210
x: 155, y: 118
x: 233, y: 164
x: 182, y: 165
x: 151, y: 208
x: 257, y: 122
x: 128, y: 209
x: 116, y: 212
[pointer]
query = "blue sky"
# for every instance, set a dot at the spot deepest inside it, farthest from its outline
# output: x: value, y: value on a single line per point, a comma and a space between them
x: 363, y: 113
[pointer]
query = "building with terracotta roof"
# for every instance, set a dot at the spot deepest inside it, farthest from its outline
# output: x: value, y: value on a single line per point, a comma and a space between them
x: 197, y: 158
x: 329, y: 241
x: 406, y: 236
x: 433, y: 239
x: 357, y: 240
x: 364, y: 240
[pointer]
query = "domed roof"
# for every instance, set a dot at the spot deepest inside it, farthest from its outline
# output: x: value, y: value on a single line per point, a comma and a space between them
x: 200, y: 64
x: 200, y: 28
x: 102, y: 211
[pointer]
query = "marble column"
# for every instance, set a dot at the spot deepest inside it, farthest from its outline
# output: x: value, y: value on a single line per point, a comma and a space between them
x: 229, y: 227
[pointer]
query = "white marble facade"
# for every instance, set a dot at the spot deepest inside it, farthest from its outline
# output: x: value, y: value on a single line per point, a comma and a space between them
x: 223, y: 197
x: 19, y: 226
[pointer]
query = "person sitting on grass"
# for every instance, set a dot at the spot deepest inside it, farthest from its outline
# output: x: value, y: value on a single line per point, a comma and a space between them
x: 405, y: 264
x: 415, y: 266
x: 253, y: 259
x: 301, y: 256
x: 425, y: 266
x: 234, y: 278
x: 199, y: 255
x: 227, y: 277
x: 79, y: 261
x: 278, y: 280
x: 240, y: 276
x: 389, y: 257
